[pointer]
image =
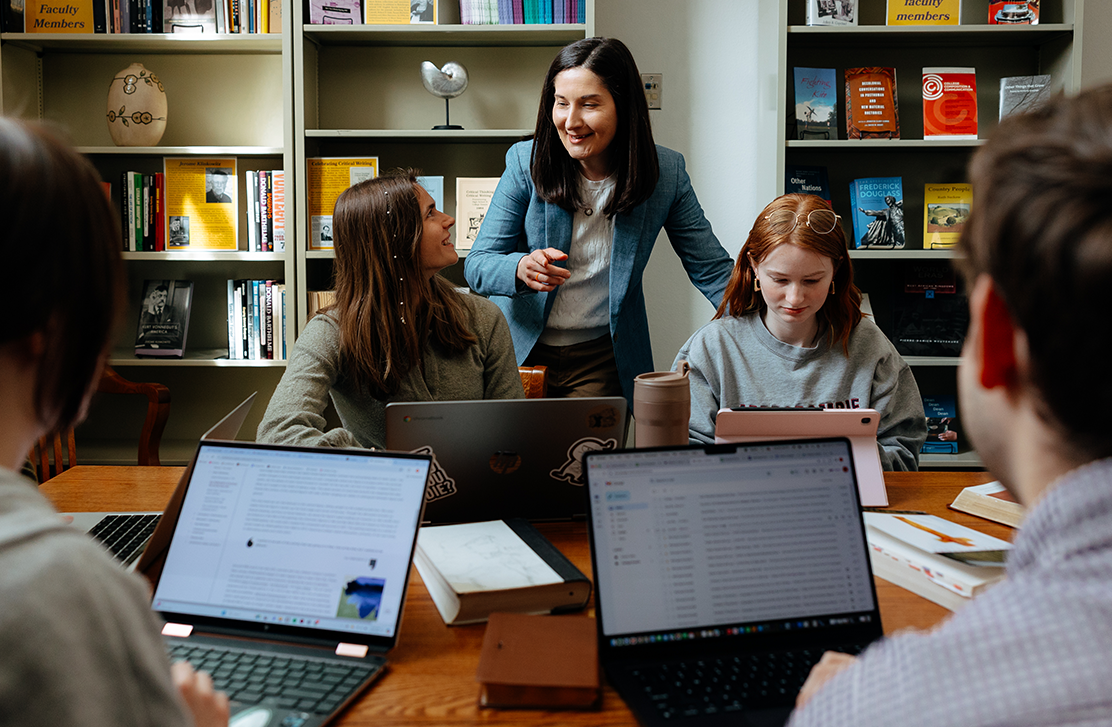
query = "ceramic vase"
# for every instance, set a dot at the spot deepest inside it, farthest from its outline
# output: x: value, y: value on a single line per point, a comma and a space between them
x: 136, y: 107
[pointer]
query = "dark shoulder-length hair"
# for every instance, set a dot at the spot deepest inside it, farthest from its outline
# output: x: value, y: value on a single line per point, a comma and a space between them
x: 842, y: 310
x: 387, y: 308
x: 60, y: 242
x: 555, y: 174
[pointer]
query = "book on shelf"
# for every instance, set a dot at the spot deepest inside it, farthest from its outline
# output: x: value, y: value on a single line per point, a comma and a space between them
x: 335, y: 12
x: 816, y: 103
x: 57, y: 16
x: 180, y: 16
x: 872, y: 109
x: 800, y: 179
x: 256, y: 311
x: 265, y: 191
x: 472, y: 570
x: 539, y: 662
x: 991, y: 501
x: 949, y: 103
x: 278, y: 178
x: 918, y: 12
x: 434, y: 185
x: 832, y: 12
x: 929, y: 316
x: 941, y: 561
x: 877, y: 212
x: 163, y: 318
x: 945, y: 210
x: 1013, y: 12
x: 399, y: 12
x: 201, y: 208
x: 326, y: 178
x: 319, y: 299
x: 942, y: 424
x: 473, y: 195
x: 1019, y: 94
x: 142, y: 211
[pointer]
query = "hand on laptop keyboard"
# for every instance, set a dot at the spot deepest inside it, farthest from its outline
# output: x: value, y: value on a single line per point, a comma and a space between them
x: 208, y: 706
x: 829, y: 665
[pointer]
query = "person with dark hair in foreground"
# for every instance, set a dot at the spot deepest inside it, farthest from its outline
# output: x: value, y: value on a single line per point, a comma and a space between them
x: 567, y: 236
x: 790, y: 333
x: 398, y: 331
x: 1034, y: 393
x: 80, y: 643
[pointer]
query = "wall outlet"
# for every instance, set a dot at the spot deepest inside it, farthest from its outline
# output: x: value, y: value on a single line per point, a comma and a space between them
x: 652, y: 83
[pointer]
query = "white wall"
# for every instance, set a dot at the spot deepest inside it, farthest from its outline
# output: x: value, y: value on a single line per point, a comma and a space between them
x: 719, y: 61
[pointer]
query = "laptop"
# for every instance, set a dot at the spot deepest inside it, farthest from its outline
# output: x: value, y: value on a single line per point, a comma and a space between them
x: 286, y: 573
x: 126, y: 534
x: 859, y: 425
x: 497, y: 459
x: 726, y: 570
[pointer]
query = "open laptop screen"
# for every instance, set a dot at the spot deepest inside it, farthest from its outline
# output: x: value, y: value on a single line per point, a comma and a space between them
x: 298, y: 537
x: 710, y: 541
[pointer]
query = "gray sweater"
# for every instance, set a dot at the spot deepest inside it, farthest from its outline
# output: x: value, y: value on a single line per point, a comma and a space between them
x: 295, y: 415
x: 737, y: 362
x: 79, y: 641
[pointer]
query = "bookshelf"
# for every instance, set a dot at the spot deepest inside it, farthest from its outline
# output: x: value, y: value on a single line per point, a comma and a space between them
x: 358, y: 92
x: 1053, y: 47
x: 228, y: 95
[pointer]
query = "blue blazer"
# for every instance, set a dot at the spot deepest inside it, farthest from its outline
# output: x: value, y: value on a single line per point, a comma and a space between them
x: 518, y: 222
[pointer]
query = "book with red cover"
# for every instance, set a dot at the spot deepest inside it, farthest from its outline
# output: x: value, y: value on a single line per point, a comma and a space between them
x: 949, y: 103
x: 872, y: 111
x: 530, y: 661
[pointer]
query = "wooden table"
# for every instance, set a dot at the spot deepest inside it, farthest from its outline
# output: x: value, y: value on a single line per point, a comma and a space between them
x: 431, y: 680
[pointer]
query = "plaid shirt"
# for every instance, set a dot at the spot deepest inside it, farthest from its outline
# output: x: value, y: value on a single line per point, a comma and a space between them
x: 1035, y: 650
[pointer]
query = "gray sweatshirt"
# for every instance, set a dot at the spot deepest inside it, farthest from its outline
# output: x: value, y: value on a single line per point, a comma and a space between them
x: 295, y: 415
x: 737, y: 362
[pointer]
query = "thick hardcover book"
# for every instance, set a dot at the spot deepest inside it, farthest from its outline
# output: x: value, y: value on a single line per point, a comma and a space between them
x: 949, y: 103
x: 816, y: 103
x: 799, y: 179
x: 872, y: 111
x: 1023, y: 93
x: 918, y: 12
x: 1013, y: 12
x: 942, y: 425
x: 326, y: 178
x: 164, y: 318
x: 946, y: 208
x: 539, y: 662
x: 877, y: 211
x: 474, y: 569
x: 991, y: 501
x: 832, y: 12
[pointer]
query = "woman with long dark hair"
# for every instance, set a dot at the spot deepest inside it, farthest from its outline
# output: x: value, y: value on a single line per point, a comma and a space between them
x: 790, y: 333
x: 398, y: 331
x: 568, y: 234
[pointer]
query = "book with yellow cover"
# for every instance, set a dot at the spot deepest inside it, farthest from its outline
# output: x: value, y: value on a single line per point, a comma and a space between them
x: 59, y: 16
x: 946, y: 208
x: 399, y: 12
x: 924, y: 12
x: 201, y: 208
x: 326, y: 179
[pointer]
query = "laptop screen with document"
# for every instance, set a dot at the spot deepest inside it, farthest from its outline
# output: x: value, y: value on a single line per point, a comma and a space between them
x: 286, y: 539
x: 727, y: 540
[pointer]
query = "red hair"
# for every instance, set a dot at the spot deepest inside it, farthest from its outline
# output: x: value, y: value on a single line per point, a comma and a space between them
x: 841, y: 311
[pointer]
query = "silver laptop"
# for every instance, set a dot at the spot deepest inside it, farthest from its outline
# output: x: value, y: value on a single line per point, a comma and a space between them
x: 286, y: 573
x: 723, y: 572
x: 126, y: 534
x: 506, y: 458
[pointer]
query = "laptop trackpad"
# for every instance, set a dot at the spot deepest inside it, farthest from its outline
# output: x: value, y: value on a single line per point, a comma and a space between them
x: 269, y: 715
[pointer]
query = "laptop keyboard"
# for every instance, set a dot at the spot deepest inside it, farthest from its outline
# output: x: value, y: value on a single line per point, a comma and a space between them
x: 727, y: 684
x: 308, y: 685
x: 125, y: 535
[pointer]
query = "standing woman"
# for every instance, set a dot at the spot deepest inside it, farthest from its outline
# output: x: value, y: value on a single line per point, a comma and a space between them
x: 790, y: 333
x: 398, y: 331
x: 568, y: 234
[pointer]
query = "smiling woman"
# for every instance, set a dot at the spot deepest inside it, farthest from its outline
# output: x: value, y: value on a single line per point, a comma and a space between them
x: 573, y: 221
x: 398, y: 331
x: 790, y: 333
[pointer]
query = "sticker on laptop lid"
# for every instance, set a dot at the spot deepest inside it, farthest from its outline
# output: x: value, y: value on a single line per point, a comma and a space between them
x: 602, y: 417
x: 572, y: 470
x: 440, y: 484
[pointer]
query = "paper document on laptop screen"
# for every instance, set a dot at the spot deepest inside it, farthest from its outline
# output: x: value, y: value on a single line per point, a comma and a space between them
x: 295, y: 533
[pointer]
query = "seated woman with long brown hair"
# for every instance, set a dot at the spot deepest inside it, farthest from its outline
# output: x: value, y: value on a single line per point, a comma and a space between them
x: 790, y: 333
x: 397, y: 332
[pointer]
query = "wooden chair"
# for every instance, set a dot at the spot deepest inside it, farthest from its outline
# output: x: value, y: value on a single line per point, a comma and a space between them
x: 534, y: 381
x: 63, y: 447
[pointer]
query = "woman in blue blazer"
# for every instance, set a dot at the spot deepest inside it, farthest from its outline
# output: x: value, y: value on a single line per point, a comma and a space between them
x: 565, y: 241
